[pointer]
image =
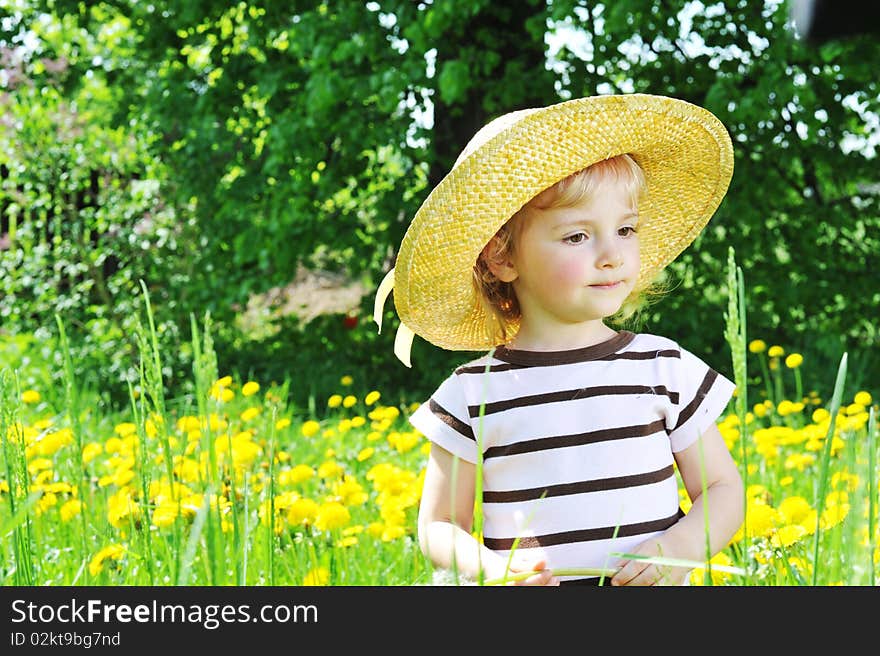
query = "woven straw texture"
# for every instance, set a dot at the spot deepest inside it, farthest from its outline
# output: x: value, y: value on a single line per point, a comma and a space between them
x: 684, y: 150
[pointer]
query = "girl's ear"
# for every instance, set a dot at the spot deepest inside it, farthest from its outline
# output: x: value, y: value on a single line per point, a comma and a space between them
x: 498, y: 262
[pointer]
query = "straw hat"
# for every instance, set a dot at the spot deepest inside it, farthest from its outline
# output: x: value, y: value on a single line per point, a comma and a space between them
x: 684, y: 150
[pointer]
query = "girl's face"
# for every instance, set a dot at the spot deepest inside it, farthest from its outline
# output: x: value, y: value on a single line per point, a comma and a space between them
x: 574, y: 265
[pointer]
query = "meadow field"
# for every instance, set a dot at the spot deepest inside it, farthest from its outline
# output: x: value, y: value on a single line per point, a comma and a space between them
x: 232, y: 485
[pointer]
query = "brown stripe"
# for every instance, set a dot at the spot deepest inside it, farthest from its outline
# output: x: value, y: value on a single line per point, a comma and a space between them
x: 584, y: 535
x: 481, y: 369
x: 562, y: 441
x: 451, y: 420
x: 643, y: 355
x: 581, y: 487
x: 571, y: 395
x: 571, y: 356
x: 688, y: 411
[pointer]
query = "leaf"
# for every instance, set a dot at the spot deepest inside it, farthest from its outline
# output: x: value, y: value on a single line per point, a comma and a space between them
x: 454, y: 81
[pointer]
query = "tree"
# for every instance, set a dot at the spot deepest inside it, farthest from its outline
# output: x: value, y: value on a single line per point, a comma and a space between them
x: 302, y: 132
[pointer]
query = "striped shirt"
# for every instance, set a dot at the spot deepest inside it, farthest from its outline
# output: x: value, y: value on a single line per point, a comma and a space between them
x: 577, y: 445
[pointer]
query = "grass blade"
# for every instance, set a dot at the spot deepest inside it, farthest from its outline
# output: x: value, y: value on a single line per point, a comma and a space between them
x: 826, y: 458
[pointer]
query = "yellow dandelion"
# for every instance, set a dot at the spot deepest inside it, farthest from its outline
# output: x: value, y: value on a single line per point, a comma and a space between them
x: 30, y: 396
x: 121, y: 509
x: 310, y: 428
x: 70, y: 510
x: 330, y: 469
x: 334, y: 401
x: 302, y: 473
x: 392, y: 532
x: 757, y: 346
x: 125, y: 429
x: 863, y: 398
x: 365, y: 454
x: 372, y: 397
x: 250, y: 388
x: 776, y: 352
x: 794, y: 360
x: 317, y: 577
x: 302, y: 511
x: 346, y: 381
x: 787, y: 535
x: 698, y: 575
x: 332, y: 515
x: 250, y: 413
x: 349, y: 401
x: 281, y: 424
x: 112, y: 552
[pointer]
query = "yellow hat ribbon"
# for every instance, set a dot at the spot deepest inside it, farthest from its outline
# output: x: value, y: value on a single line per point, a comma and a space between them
x: 403, y: 339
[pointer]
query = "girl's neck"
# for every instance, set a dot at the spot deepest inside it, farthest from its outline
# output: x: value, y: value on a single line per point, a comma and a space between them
x: 579, y: 336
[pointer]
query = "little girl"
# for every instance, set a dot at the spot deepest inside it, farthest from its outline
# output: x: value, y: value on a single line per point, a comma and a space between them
x: 551, y: 222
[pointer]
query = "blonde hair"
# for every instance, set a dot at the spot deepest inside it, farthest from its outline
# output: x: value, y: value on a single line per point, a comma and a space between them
x: 498, y: 298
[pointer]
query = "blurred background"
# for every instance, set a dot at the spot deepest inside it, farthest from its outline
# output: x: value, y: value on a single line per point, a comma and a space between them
x: 258, y: 163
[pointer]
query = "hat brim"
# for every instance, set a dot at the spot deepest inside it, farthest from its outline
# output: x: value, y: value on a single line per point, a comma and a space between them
x: 684, y: 150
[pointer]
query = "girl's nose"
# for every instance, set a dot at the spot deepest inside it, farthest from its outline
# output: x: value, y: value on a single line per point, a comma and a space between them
x: 610, y: 255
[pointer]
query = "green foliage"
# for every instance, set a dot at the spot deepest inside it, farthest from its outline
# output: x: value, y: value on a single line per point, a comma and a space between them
x: 802, y: 209
x: 250, y: 138
x: 85, y: 221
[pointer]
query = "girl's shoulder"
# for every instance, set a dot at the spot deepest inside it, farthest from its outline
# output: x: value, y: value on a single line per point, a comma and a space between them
x: 643, y: 341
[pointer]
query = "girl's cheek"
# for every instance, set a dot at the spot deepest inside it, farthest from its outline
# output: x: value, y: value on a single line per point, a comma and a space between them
x: 570, y: 271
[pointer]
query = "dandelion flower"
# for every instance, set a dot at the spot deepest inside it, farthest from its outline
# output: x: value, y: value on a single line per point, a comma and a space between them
x: 301, y: 473
x: 331, y: 516
x: 863, y: 398
x: 125, y: 429
x: 372, y: 397
x: 776, y: 352
x: 334, y: 401
x: 250, y: 413
x: 302, y: 511
x: 113, y: 552
x: 30, y: 396
x: 330, y: 470
x: 310, y: 428
x: 794, y: 360
x: 757, y: 346
x: 70, y: 510
x: 346, y: 381
x: 250, y: 388
x: 697, y: 576
x: 281, y: 424
x: 317, y: 577
x: 349, y: 401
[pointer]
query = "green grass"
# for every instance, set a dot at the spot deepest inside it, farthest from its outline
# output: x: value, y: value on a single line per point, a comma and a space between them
x: 85, y: 496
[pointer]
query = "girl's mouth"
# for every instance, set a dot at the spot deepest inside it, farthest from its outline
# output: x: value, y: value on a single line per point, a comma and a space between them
x: 610, y: 285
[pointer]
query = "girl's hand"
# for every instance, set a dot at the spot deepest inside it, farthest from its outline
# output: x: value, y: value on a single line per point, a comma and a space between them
x: 639, y: 572
x: 541, y: 576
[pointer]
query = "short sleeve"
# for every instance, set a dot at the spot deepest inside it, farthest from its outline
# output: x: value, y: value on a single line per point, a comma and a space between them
x: 703, y: 394
x: 445, y: 420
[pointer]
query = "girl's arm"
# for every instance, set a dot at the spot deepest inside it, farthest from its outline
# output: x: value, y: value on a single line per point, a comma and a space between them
x: 446, y: 517
x: 708, y: 457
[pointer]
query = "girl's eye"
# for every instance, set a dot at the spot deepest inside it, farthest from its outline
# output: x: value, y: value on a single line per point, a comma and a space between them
x: 576, y: 238
x: 627, y: 231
